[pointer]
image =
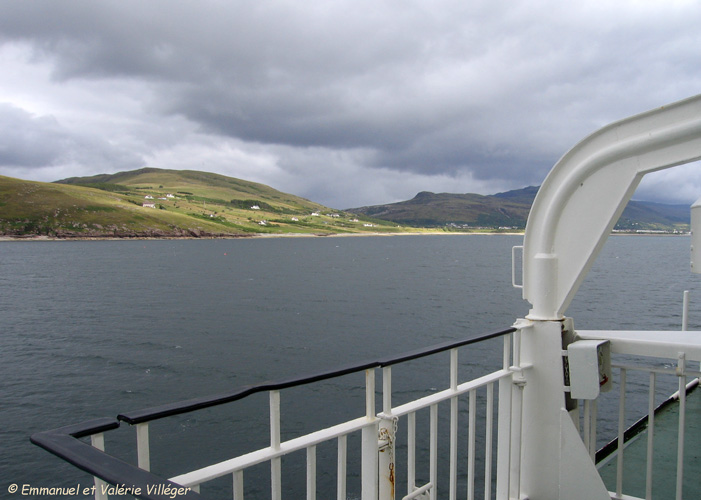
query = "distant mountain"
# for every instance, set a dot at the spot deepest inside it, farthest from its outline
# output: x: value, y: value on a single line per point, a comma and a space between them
x: 646, y: 215
x: 510, y: 209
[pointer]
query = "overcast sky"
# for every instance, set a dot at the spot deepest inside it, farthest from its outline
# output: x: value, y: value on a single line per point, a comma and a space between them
x: 347, y: 103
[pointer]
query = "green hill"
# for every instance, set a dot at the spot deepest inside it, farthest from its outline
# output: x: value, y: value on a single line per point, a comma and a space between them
x: 164, y: 203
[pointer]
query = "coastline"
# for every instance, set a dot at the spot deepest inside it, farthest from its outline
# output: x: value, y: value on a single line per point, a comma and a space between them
x: 294, y: 235
x: 252, y: 236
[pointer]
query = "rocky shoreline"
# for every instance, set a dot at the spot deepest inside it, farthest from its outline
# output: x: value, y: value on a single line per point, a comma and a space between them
x: 124, y: 235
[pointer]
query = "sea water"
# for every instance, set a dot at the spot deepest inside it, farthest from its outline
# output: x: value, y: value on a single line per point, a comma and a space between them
x: 94, y: 328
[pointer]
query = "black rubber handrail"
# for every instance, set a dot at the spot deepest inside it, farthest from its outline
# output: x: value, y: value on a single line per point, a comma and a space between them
x: 65, y: 443
x: 172, y: 409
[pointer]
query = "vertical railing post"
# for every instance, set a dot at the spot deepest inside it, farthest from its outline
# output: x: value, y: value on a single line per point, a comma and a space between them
x: 587, y: 424
x: 650, y: 435
x: 681, y: 373
x: 369, y: 444
x: 472, y: 411
x: 386, y: 437
x: 311, y: 473
x: 594, y: 410
x: 341, y: 467
x: 589, y: 438
x: 517, y: 419
x: 142, y: 446
x: 504, y: 425
x: 98, y: 441
x: 411, y: 452
x: 489, y: 433
x: 275, y: 463
x: 685, y: 311
x: 433, y: 452
x: 453, y: 425
x: 621, y: 434
x: 238, y: 485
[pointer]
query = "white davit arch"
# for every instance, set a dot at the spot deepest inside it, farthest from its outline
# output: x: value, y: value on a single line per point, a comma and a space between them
x: 586, y: 191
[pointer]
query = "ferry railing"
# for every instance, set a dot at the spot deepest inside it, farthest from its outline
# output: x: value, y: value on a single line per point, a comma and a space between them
x: 687, y: 380
x: 379, y: 437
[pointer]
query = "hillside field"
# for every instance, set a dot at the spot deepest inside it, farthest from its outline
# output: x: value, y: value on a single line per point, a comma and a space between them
x: 166, y: 203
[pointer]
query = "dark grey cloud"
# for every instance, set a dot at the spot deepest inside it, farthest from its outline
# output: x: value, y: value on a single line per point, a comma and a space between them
x: 28, y: 141
x: 489, y: 92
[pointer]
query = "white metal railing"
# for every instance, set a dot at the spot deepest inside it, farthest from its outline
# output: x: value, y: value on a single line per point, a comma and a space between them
x: 469, y: 467
x: 467, y: 460
x: 379, y: 441
x: 616, y: 447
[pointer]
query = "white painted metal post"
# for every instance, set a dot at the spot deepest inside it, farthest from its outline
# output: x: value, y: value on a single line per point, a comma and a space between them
x: 587, y: 424
x: 275, y: 463
x: 311, y: 473
x: 621, y: 433
x: 650, y: 436
x: 681, y: 373
x: 685, y: 311
x: 504, y: 425
x: 453, y: 425
x: 489, y: 434
x: 515, y: 450
x: 589, y: 438
x: 472, y: 410
x: 98, y: 441
x: 238, y: 485
x: 516, y: 419
x: 386, y: 436
x: 411, y: 452
x: 369, y: 445
x: 342, y: 468
x: 592, y: 433
x: 433, y: 452
x: 142, y: 446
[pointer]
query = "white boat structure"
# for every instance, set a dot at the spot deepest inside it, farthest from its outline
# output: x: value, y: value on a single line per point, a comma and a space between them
x: 538, y: 439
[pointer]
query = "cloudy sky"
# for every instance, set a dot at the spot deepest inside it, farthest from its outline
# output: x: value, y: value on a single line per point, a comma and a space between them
x: 344, y: 102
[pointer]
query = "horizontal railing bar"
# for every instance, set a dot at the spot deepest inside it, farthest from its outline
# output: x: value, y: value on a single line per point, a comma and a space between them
x: 418, y: 491
x: 662, y: 371
x: 649, y: 343
x: 265, y: 454
x: 148, y: 414
x: 447, y: 394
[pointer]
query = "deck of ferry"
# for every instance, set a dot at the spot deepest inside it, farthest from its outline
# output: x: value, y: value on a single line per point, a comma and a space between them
x: 664, y: 468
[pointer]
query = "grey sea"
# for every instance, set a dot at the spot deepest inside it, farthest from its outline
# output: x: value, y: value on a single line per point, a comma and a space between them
x: 94, y: 328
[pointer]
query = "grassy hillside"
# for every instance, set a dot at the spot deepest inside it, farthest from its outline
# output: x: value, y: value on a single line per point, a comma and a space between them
x: 184, y: 203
